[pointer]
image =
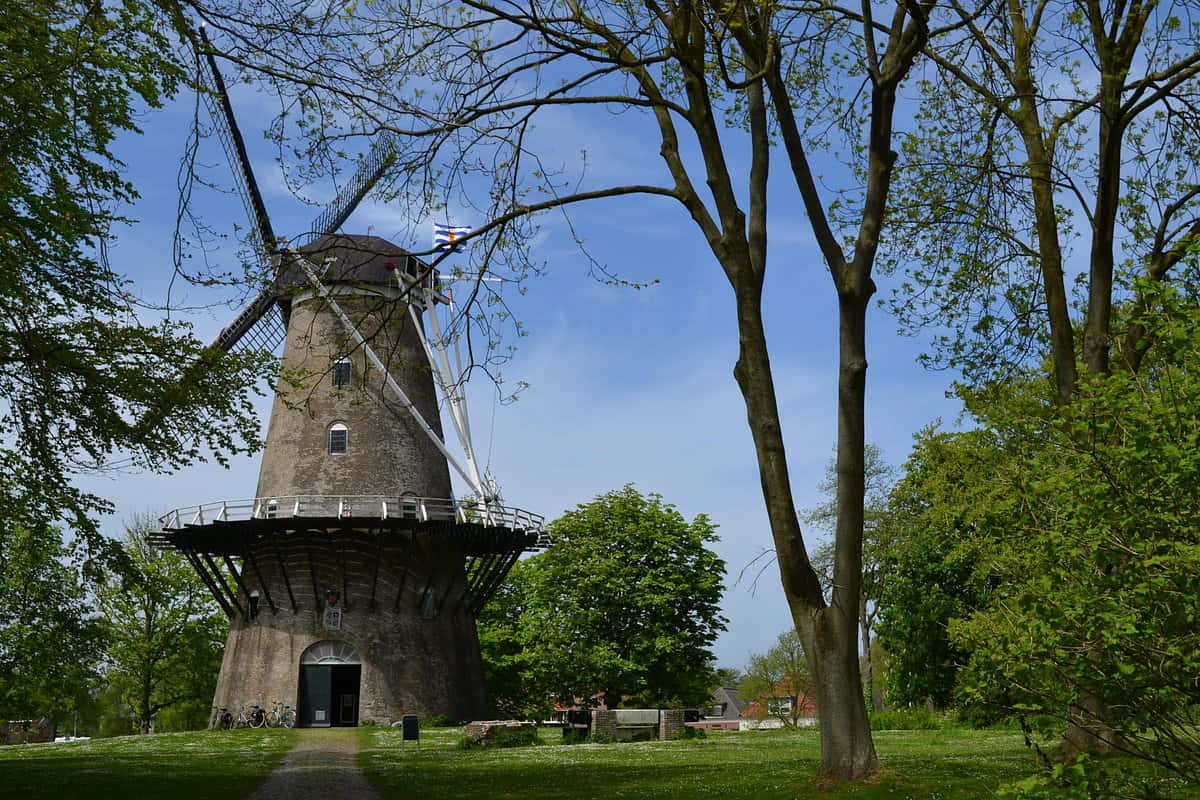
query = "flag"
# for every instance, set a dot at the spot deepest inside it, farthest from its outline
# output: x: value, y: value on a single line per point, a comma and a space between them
x: 446, y: 236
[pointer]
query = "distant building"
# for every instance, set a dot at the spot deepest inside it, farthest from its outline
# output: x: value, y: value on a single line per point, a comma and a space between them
x: 726, y: 705
x: 787, y: 705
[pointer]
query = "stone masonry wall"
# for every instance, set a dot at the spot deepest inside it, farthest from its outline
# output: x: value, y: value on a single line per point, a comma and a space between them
x: 604, y: 722
x: 670, y: 722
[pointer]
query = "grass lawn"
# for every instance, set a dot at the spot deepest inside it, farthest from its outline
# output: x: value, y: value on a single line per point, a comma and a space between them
x: 170, y: 766
x: 931, y: 765
x: 766, y: 765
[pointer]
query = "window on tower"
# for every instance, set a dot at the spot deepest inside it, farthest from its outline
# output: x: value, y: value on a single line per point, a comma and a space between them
x: 339, y: 436
x: 341, y: 373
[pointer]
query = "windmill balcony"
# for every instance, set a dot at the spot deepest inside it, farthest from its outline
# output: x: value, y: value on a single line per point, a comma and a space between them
x: 423, y: 509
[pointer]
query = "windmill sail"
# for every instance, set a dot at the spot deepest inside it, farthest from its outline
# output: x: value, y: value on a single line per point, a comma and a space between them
x: 382, y: 156
x: 256, y: 326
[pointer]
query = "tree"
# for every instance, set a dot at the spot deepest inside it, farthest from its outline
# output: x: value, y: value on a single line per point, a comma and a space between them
x: 622, y: 608
x: 50, y: 639
x: 777, y: 683
x: 1097, y: 558
x: 506, y: 650
x: 879, y: 538
x: 82, y: 375
x: 716, y: 87
x: 166, y: 635
x: 933, y: 569
x: 1029, y: 119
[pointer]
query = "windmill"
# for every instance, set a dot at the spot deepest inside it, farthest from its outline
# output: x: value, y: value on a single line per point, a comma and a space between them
x: 353, y: 578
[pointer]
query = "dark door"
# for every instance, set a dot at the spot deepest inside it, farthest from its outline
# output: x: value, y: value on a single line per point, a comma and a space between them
x: 329, y: 695
x: 316, y: 693
x: 344, y: 692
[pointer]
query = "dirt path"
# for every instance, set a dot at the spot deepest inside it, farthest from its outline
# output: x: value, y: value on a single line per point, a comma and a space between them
x: 320, y: 767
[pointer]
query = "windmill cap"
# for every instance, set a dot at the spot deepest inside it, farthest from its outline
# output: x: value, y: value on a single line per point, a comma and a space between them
x: 352, y: 258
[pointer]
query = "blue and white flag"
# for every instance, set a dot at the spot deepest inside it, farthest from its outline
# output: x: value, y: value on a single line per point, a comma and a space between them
x: 445, y: 237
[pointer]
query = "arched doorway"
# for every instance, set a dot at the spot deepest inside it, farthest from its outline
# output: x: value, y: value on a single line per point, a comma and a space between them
x: 329, y: 681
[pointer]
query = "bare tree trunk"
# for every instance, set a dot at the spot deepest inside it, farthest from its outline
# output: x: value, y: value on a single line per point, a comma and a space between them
x: 868, y: 669
x: 847, y: 729
x: 828, y: 632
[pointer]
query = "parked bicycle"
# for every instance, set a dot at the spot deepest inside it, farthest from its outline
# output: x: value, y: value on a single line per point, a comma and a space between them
x: 281, y: 716
x: 221, y: 718
x: 251, y: 715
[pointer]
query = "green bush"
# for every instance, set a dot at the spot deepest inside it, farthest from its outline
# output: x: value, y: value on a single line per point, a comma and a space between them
x: 440, y: 721
x: 523, y: 738
x: 689, y: 734
x: 906, y: 719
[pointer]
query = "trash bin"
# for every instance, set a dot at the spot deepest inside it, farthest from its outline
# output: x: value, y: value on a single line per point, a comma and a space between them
x: 410, y: 730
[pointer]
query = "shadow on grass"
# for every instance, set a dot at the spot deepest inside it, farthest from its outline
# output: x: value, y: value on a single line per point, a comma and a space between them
x: 950, y: 765
x: 191, y: 766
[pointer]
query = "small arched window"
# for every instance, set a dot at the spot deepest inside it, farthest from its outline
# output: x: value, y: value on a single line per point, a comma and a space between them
x: 339, y: 436
x: 342, y: 372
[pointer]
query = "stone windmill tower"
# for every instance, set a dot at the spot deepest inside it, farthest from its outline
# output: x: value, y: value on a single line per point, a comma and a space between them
x: 353, y: 578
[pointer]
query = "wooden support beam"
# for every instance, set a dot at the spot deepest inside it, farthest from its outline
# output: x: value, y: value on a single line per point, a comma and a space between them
x: 375, y: 571
x: 229, y: 593
x: 340, y: 538
x: 283, y: 571
x: 312, y: 572
x: 197, y: 565
x: 488, y: 589
x: 237, y: 577
x: 249, y: 551
x: 408, y: 543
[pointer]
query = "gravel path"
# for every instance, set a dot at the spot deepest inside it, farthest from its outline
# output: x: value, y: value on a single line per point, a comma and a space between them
x: 320, y: 767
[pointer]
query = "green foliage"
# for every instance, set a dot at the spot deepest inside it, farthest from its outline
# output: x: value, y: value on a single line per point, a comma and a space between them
x: 50, y: 638
x: 166, y: 636
x: 1096, y: 556
x: 932, y: 565
x: 504, y: 739
x: 439, y: 721
x: 775, y: 682
x: 624, y: 606
x: 689, y: 734
x: 81, y: 369
x: 1083, y: 778
x: 506, y: 661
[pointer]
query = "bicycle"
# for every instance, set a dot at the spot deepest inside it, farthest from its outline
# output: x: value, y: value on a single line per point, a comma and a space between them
x: 281, y: 716
x: 221, y: 718
x: 256, y: 717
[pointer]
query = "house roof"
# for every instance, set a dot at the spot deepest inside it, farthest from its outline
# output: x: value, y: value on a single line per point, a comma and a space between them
x: 729, y: 696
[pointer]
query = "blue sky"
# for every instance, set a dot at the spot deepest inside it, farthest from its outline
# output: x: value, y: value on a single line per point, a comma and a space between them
x: 625, y: 386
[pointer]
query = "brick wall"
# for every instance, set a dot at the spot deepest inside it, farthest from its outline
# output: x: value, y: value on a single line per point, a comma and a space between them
x: 604, y: 722
x: 670, y: 722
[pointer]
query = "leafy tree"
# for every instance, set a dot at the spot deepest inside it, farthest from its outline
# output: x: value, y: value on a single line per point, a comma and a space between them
x: 727, y: 676
x: 933, y: 574
x: 166, y: 635
x: 1030, y: 120
x: 1099, y: 555
x: 50, y: 639
x: 505, y: 649
x: 622, y: 609
x: 778, y: 682
x: 81, y: 368
x: 718, y: 89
